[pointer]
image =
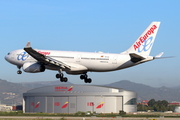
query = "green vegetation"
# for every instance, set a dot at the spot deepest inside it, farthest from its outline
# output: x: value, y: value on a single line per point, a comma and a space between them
x: 157, y: 106
x: 89, y: 114
x: 121, y: 112
x: 61, y: 116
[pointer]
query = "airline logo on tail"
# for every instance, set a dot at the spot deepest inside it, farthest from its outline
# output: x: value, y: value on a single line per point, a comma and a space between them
x: 145, y: 41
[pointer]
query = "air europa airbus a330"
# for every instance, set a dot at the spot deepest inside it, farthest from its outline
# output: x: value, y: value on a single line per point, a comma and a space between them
x: 34, y: 60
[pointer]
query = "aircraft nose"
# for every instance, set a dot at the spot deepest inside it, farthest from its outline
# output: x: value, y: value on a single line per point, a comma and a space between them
x: 7, y: 57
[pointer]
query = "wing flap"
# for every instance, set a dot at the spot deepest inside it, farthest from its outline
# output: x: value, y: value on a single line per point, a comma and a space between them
x: 58, y: 63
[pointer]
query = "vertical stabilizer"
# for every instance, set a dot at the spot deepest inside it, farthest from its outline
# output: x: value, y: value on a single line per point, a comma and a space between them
x: 144, y: 43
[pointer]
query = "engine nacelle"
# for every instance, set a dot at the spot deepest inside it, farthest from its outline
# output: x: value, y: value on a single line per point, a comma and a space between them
x: 32, y: 67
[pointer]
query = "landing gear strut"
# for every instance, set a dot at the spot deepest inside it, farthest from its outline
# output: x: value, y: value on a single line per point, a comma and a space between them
x: 61, y: 76
x: 86, y: 79
x: 19, y: 71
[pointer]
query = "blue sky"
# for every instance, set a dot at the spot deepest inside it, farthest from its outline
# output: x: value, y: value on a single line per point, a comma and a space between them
x: 92, y: 25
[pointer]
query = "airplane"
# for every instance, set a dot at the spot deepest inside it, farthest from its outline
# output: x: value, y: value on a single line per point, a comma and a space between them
x: 79, y: 63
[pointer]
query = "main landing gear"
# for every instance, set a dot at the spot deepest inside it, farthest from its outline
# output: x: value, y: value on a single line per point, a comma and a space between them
x: 86, y: 79
x: 61, y: 76
x: 19, y: 71
x: 62, y: 79
x: 65, y: 79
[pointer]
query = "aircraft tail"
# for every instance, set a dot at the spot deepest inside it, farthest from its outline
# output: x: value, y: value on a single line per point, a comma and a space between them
x: 142, y: 46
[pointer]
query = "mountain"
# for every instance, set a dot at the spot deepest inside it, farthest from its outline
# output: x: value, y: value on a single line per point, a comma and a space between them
x: 177, y: 87
x: 33, y: 85
x: 11, y: 93
x: 146, y: 92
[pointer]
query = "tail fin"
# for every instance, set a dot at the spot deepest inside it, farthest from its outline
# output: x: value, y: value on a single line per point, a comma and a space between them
x: 144, y: 43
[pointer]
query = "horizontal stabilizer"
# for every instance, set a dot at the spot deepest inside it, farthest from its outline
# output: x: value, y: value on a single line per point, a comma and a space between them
x: 159, y: 55
x: 135, y: 57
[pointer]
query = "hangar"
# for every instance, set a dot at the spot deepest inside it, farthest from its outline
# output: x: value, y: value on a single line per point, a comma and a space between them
x: 72, y: 98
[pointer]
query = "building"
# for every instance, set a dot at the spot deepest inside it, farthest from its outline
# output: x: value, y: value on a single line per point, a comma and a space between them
x: 175, y: 103
x: 177, y: 109
x: 144, y: 102
x: 4, y: 107
x: 73, y: 98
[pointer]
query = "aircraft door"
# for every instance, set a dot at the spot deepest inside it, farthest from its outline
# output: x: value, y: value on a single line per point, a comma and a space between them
x: 114, y: 61
x: 78, y: 58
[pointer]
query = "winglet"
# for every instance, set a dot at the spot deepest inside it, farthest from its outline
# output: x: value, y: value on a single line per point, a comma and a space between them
x: 28, y: 45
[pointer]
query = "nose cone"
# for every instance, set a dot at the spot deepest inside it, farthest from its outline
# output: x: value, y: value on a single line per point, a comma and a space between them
x: 9, y: 58
x: 6, y: 58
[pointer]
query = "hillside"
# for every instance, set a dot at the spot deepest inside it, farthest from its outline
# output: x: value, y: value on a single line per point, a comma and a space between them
x: 146, y: 92
x: 33, y: 85
x: 11, y: 93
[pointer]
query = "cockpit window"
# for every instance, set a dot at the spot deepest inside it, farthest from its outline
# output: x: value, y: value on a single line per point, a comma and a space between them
x: 8, y: 54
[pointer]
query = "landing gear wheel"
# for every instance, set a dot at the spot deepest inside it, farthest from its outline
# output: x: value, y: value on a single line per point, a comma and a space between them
x: 57, y: 75
x: 85, y: 80
x: 83, y: 77
x: 19, y: 72
x: 61, y: 76
x: 65, y: 79
x: 61, y: 79
x: 88, y: 80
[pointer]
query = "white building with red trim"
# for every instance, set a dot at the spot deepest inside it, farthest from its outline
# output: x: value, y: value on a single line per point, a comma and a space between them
x: 73, y: 98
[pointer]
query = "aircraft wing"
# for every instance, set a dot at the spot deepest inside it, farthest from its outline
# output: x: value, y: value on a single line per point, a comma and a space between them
x: 43, y: 58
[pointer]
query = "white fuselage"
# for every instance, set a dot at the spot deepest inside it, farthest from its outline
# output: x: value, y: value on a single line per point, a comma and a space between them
x: 94, y: 62
x: 33, y: 60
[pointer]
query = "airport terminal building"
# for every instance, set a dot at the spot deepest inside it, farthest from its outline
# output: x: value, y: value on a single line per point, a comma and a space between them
x: 65, y: 98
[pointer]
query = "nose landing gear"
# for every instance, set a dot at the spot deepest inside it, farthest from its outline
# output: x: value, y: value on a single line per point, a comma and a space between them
x: 19, y: 71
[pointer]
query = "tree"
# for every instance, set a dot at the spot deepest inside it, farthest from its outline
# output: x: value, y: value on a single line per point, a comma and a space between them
x: 171, y: 107
x: 164, y: 103
x: 158, y: 105
x: 151, y: 103
x: 141, y: 107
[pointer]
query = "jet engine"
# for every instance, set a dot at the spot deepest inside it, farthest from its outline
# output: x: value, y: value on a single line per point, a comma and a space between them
x: 32, y: 67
